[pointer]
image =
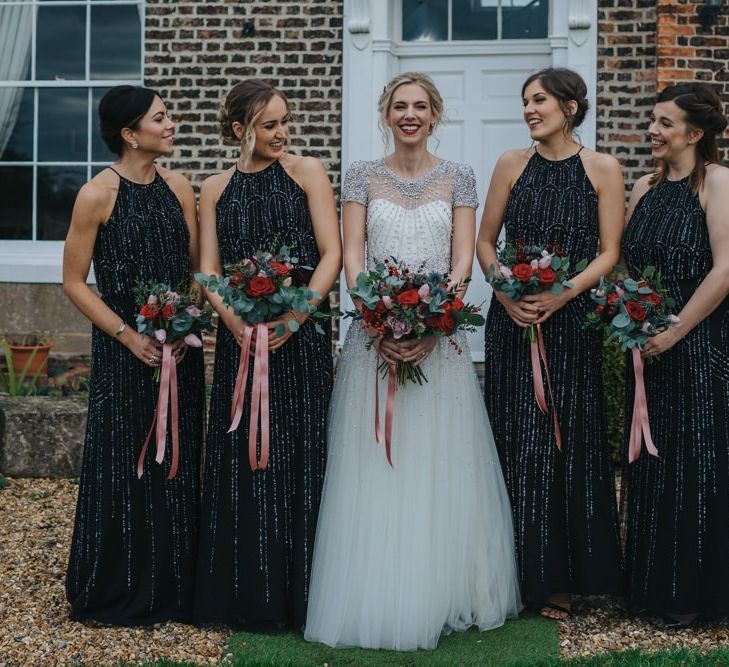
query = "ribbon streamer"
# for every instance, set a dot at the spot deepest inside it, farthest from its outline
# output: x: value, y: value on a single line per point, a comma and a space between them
x: 538, y: 350
x: 167, y: 394
x: 259, y: 395
x: 640, y: 426
x: 389, y: 410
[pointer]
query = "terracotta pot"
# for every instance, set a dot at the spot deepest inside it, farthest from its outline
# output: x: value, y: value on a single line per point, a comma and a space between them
x: 21, y: 354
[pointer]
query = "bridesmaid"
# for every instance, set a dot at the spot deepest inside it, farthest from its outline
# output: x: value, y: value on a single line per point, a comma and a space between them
x: 134, y: 540
x: 257, y: 531
x: 678, y: 505
x: 564, y: 507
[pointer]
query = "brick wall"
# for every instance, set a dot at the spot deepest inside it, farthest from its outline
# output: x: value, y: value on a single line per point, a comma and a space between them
x: 626, y: 82
x: 195, y: 51
x: 688, y: 52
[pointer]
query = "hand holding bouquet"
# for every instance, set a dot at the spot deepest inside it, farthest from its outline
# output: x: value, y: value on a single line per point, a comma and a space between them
x: 533, y: 269
x: 402, y: 304
x: 168, y: 315
x: 630, y: 311
x: 260, y: 289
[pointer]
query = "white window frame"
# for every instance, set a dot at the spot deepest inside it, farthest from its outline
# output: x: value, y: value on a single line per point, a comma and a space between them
x: 35, y: 261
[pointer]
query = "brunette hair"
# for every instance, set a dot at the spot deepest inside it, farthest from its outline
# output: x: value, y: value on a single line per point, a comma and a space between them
x: 566, y: 86
x: 424, y: 81
x: 704, y: 111
x: 244, y: 104
x: 122, y: 106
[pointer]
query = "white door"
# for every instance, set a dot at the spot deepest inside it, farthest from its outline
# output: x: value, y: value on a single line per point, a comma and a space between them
x: 483, y: 109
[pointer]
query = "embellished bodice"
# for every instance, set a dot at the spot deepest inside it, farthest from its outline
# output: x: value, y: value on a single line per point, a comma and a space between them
x: 146, y: 238
x: 264, y: 210
x: 553, y: 201
x: 668, y: 230
x: 410, y: 220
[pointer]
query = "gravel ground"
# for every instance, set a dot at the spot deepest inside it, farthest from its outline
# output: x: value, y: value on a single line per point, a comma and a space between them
x: 36, y: 521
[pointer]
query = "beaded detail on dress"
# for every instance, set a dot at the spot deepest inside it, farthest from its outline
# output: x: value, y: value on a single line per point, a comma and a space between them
x: 565, y: 514
x: 135, y: 540
x: 678, y: 504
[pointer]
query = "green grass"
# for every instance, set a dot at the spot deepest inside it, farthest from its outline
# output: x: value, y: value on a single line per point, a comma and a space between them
x: 672, y: 658
x: 521, y: 642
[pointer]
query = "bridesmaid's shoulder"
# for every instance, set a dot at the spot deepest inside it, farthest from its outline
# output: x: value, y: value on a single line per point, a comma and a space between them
x: 511, y: 163
x: 716, y: 179
x: 100, y: 190
x: 304, y: 169
x: 215, y: 184
x: 176, y: 181
x: 602, y: 164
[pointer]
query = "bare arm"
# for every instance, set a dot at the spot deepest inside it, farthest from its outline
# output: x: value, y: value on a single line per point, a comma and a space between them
x: 93, y: 204
x: 462, y: 244
x: 715, y: 287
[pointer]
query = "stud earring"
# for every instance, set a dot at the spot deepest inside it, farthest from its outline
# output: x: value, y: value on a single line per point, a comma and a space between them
x: 135, y: 145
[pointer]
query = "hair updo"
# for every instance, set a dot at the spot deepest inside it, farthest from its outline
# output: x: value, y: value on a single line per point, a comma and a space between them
x: 704, y: 111
x: 422, y: 80
x: 122, y: 106
x: 567, y: 86
x: 244, y: 104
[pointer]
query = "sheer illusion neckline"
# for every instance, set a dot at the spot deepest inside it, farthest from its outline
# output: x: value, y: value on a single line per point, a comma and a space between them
x: 408, y: 181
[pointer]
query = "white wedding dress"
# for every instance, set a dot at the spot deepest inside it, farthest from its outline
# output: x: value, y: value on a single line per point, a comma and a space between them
x: 406, y: 553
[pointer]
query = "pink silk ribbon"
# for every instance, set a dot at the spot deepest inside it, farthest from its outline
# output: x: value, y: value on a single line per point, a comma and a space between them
x: 640, y: 425
x: 239, y: 392
x: 167, y: 393
x: 259, y: 402
x: 537, y: 380
x: 389, y: 409
x: 543, y: 354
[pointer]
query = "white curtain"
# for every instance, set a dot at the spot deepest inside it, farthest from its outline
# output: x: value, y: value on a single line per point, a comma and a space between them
x: 16, y: 24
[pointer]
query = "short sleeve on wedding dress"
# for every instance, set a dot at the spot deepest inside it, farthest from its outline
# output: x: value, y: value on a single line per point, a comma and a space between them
x: 354, y: 187
x: 464, y: 187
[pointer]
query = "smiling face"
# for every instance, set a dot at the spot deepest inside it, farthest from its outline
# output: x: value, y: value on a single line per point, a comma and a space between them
x: 272, y: 130
x: 670, y: 131
x: 410, y: 116
x: 543, y: 113
x: 155, y: 131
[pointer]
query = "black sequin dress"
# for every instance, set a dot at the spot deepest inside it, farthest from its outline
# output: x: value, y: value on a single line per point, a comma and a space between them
x: 677, y: 550
x: 257, y: 529
x: 134, y: 544
x: 565, y: 513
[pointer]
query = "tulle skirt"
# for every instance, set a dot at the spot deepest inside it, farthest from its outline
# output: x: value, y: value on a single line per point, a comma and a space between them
x: 406, y: 553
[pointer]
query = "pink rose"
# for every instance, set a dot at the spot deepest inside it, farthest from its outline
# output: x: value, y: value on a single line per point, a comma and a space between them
x: 398, y: 326
x: 194, y: 311
x: 545, y: 262
x: 160, y: 335
x: 505, y: 271
x: 152, y: 300
x: 424, y: 293
x: 193, y: 341
x: 387, y: 302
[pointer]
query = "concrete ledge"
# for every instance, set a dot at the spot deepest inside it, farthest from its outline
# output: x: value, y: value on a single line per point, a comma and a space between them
x: 41, y: 436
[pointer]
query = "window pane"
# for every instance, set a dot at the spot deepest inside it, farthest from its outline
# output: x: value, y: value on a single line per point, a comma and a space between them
x: 524, y: 19
x: 16, y: 203
x: 424, y: 20
x: 60, y: 42
x: 62, y: 124
x: 98, y: 168
x: 17, y: 30
x: 475, y: 19
x: 57, y: 190
x: 116, y: 34
x: 99, y: 151
x: 16, y: 128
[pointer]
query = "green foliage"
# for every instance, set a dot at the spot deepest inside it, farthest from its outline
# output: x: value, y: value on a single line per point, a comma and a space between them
x: 613, y: 374
x: 3, y: 482
x: 14, y: 383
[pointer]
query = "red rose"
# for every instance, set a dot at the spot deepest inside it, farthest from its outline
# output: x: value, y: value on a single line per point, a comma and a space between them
x: 599, y: 308
x: 280, y: 269
x: 458, y: 304
x: 369, y: 316
x: 653, y: 298
x: 168, y: 310
x: 443, y: 321
x: 546, y: 276
x: 149, y: 311
x: 260, y: 286
x: 613, y: 297
x: 635, y: 310
x: 409, y: 297
x: 522, y: 272
x: 236, y: 278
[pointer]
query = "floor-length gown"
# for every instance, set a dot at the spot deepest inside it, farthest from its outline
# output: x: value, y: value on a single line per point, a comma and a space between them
x: 257, y: 528
x: 565, y: 512
x: 677, y: 550
x: 134, y: 543
x: 406, y: 553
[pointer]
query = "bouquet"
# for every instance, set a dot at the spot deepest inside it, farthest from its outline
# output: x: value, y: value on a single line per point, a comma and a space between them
x: 168, y: 315
x: 405, y: 305
x: 260, y: 289
x: 532, y: 269
x: 630, y: 311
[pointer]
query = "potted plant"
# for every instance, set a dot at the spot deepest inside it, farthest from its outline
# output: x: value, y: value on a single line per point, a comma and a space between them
x: 21, y: 374
x: 30, y: 350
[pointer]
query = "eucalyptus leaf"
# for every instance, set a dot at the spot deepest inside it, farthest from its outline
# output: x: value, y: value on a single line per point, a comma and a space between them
x: 581, y: 265
x: 621, y: 320
x: 293, y: 325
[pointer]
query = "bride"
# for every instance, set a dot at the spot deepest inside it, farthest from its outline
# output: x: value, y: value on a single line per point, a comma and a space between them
x: 406, y: 553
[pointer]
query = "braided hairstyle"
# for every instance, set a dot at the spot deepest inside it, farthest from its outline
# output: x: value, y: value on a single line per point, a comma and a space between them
x: 704, y: 111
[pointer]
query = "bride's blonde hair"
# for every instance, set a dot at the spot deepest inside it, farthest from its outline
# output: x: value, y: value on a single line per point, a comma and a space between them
x: 385, y: 101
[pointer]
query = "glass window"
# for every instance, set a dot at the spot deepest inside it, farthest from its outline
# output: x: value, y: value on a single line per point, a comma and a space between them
x: 62, y: 58
x: 457, y: 20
